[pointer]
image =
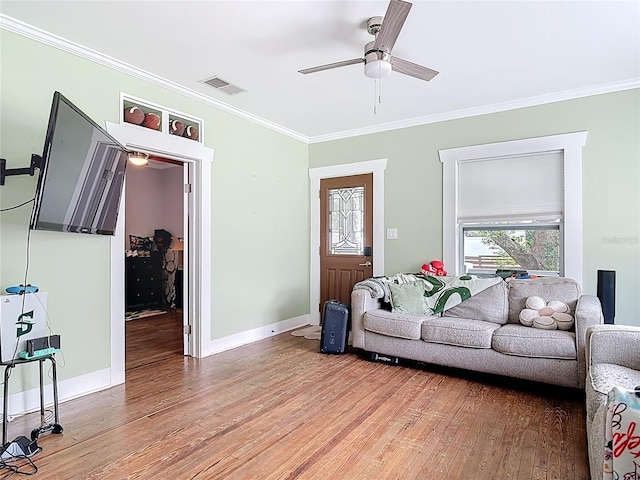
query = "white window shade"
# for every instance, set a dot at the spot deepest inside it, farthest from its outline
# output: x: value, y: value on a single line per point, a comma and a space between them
x: 526, y: 187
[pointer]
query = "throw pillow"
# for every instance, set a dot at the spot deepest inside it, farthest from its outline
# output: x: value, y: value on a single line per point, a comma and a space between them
x: 408, y: 298
x: 546, y: 315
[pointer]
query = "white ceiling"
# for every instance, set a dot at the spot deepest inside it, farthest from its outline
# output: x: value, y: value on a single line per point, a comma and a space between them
x: 491, y: 55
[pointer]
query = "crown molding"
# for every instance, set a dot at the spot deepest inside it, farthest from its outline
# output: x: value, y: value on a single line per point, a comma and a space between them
x: 42, y: 36
x: 29, y: 31
x: 483, y: 110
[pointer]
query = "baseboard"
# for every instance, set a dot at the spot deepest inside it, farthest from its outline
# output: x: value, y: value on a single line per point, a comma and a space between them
x: 29, y: 400
x: 243, y: 338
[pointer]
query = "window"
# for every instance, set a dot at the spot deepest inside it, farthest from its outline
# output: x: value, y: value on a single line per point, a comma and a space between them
x: 346, y: 221
x: 513, y: 207
x: 514, y: 202
x: 532, y: 246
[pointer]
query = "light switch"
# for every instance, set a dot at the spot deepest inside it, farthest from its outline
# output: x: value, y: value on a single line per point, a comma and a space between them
x: 392, y: 233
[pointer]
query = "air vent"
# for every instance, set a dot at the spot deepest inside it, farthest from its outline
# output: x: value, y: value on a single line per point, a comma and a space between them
x: 223, y: 86
x: 216, y: 82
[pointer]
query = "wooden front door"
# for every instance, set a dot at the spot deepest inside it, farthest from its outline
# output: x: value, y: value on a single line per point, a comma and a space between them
x: 346, y: 235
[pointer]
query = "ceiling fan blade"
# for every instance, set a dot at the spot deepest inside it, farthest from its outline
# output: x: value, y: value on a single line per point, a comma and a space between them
x: 412, y: 69
x: 332, y: 65
x: 397, y: 12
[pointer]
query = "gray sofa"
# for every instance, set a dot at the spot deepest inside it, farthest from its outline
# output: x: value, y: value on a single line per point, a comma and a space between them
x: 613, y: 359
x: 483, y: 333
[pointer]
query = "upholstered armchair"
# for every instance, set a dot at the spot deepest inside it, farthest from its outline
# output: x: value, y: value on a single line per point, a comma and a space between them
x: 613, y: 360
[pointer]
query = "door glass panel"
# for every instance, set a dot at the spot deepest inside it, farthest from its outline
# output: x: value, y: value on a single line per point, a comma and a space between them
x: 346, y: 221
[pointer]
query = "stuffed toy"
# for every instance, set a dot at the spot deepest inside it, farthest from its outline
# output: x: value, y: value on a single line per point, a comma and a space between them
x: 547, y: 316
x: 435, y: 268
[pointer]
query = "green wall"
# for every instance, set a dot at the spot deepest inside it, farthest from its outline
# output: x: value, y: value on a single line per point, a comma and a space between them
x: 261, y: 228
x: 611, y: 181
x: 260, y: 204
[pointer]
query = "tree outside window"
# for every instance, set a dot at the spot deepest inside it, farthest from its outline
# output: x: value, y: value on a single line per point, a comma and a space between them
x: 532, y: 248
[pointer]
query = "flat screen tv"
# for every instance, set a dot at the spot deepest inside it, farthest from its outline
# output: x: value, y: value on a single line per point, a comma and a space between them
x: 81, y: 174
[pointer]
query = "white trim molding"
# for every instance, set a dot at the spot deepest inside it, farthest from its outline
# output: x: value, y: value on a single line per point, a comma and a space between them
x: 570, y: 144
x: 480, y: 110
x: 199, y: 159
x: 47, y: 38
x: 28, y: 401
x: 377, y: 168
x: 260, y: 333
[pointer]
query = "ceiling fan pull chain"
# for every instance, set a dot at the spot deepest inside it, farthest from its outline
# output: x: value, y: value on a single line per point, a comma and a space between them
x: 375, y: 93
x: 379, y: 82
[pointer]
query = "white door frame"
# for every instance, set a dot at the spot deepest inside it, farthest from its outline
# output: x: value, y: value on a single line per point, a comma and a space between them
x: 377, y: 167
x: 188, y: 211
x: 200, y: 159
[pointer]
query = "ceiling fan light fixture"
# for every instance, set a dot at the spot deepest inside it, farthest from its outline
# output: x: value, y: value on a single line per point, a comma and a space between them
x: 377, y: 69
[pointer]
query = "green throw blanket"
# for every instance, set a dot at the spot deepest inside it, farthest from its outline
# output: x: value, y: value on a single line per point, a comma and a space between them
x: 440, y: 293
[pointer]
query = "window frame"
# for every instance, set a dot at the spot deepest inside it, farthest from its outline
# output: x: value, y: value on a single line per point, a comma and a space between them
x: 569, y: 144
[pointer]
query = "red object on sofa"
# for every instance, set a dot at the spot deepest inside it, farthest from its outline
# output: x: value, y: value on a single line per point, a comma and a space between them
x: 439, y: 268
x: 427, y: 269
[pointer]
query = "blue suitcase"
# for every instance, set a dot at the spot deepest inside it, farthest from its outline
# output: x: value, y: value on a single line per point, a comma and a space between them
x: 335, y: 327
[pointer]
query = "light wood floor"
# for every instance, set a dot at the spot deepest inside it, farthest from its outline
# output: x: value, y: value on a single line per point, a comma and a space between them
x: 278, y: 409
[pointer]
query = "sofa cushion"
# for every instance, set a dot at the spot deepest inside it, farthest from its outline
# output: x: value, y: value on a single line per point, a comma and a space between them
x: 461, y: 332
x: 490, y: 305
x: 532, y: 342
x: 401, y: 325
x: 563, y: 289
x: 407, y: 298
x: 602, y: 377
x: 605, y: 376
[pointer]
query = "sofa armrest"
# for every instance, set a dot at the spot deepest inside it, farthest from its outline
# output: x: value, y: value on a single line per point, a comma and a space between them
x: 615, y: 344
x: 361, y: 302
x: 588, y: 313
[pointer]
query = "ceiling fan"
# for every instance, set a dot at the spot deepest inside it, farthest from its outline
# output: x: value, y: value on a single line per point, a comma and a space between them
x: 378, y: 61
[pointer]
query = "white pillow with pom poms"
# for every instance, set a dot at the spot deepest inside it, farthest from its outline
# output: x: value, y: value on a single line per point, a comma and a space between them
x: 546, y: 315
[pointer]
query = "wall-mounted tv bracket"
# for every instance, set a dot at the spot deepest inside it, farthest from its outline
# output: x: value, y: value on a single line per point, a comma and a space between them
x: 36, y: 162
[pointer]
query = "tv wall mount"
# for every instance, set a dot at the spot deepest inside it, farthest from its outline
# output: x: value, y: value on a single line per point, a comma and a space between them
x: 36, y: 162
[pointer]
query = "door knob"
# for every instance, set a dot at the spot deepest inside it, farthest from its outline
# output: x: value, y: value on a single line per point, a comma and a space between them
x: 365, y: 264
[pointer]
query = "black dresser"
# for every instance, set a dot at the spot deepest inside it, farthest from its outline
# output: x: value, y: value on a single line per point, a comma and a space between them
x: 179, y: 280
x: 143, y: 282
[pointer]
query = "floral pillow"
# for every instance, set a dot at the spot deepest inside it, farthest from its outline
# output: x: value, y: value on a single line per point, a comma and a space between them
x: 546, y: 315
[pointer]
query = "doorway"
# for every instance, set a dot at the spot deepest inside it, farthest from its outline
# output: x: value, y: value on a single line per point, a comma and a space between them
x: 198, y: 160
x: 155, y: 219
x: 346, y: 235
x: 375, y: 167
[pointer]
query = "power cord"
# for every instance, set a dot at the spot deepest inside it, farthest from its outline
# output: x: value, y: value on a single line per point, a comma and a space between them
x: 15, y: 464
x: 24, y: 294
x: 17, y: 206
x: 12, y: 467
